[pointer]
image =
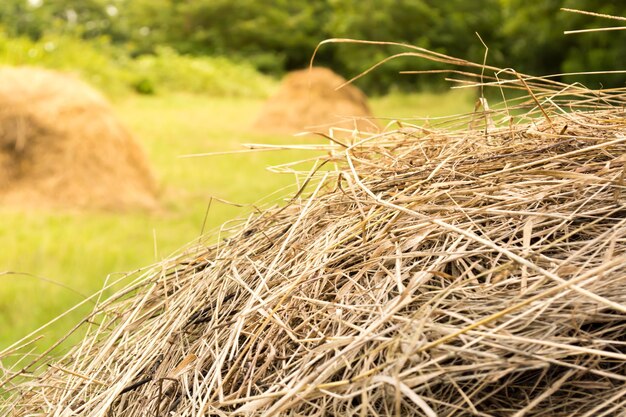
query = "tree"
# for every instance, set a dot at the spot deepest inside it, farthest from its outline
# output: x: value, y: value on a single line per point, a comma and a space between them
x: 281, y: 35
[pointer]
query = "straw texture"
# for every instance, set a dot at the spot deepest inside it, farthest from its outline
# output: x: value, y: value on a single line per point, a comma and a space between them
x: 474, y: 267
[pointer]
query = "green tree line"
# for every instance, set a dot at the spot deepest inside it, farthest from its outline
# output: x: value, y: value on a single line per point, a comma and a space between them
x: 280, y: 35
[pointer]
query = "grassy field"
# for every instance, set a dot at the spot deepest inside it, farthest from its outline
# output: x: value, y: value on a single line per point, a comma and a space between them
x: 54, y: 260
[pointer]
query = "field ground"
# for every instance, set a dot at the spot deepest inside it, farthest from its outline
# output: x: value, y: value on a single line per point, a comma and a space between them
x: 56, y: 259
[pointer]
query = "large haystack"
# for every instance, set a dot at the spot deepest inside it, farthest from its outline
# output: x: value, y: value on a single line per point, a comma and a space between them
x: 61, y: 145
x: 308, y: 100
x: 437, y: 272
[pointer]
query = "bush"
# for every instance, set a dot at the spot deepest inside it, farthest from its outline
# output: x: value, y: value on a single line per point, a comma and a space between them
x: 218, y: 76
x: 96, y: 61
x: 112, y: 69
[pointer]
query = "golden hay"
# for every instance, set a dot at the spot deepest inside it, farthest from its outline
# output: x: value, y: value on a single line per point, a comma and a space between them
x: 435, y: 272
x: 61, y: 145
x: 308, y: 100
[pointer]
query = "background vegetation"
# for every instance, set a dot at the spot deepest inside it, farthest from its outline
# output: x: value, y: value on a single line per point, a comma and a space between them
x: 275, y: 36
x: 108, y: 67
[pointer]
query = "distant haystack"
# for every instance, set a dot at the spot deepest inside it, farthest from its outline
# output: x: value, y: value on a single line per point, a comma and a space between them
x: 61, y: 146
x: 308, y: 100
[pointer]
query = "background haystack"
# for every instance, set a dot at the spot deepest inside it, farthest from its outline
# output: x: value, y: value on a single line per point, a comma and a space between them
x: 308, y: 100
x: 61, y: 145
x: 436, y: 272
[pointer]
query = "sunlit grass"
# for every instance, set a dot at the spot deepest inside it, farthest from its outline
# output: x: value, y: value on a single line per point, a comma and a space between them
x: 418, y: 107
x: 58, y: 251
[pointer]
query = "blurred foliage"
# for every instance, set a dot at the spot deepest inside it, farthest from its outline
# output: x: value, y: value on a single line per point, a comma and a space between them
x: 96, y: 61
x: 279, y: 35
x: 532, y: 33
x: 216, y: 76
x: 112, y: 69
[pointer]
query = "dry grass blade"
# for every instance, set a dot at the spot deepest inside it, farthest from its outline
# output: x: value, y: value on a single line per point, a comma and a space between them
x: 606, y: 16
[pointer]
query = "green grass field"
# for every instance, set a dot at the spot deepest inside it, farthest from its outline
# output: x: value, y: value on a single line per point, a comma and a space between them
x: 56, y: 259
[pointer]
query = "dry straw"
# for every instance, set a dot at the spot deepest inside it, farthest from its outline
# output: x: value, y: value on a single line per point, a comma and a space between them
x: 476, y: 266
x: 62, y: 146
x: 308, y: 100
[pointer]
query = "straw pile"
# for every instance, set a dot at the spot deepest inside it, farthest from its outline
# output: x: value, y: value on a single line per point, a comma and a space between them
x: 309, y: 100
x: 435, y: 272
x: 61, y: 145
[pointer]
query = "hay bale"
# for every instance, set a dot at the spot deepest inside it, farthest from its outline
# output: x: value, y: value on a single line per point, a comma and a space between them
x: 308, y: 100
x: 61, y: 145
x: 437, y: 272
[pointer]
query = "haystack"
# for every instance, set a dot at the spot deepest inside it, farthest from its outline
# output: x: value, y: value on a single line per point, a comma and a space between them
x: 308, y: 100
x: 61, y: 145
x: 437, y: 272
